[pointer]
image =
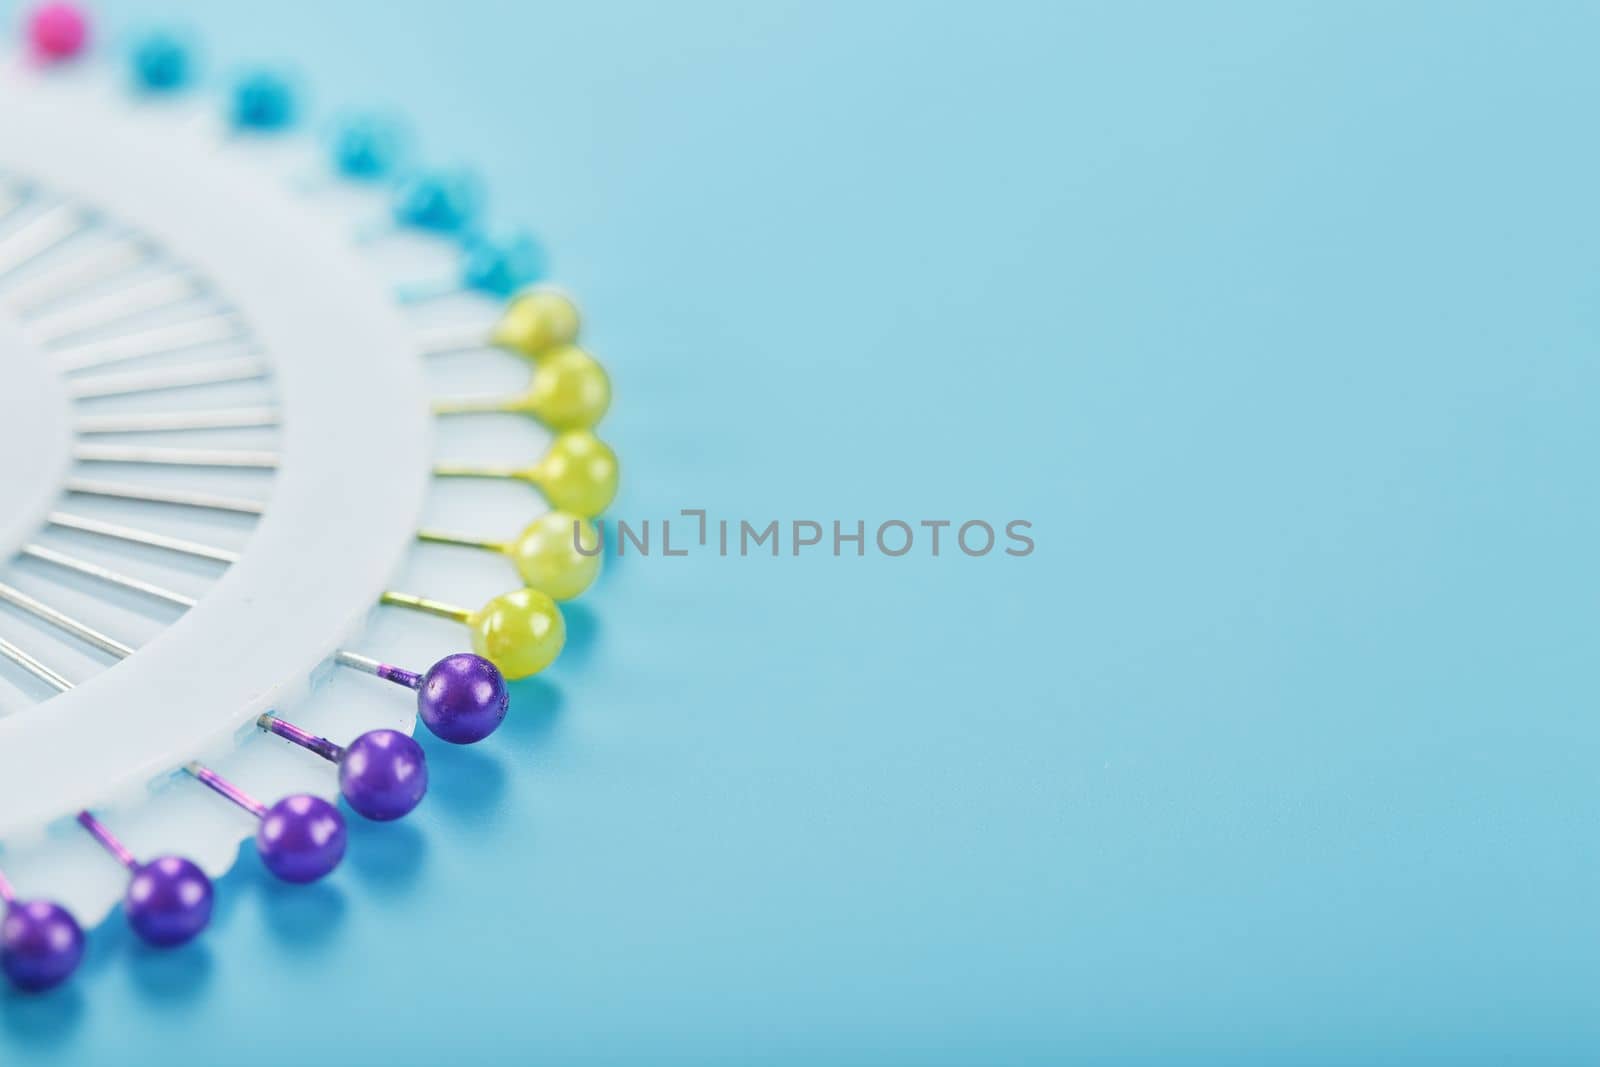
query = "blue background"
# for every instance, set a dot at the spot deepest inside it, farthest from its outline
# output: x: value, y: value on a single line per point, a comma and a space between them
x: 1279, y: 322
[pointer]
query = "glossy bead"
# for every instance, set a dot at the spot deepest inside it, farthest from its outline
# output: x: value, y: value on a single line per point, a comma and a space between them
x: 500, y: 268
x: 462, y: 699
x: 160, y: 62
x: 366, y: 147
x: 547, y: 556
x: 536, y: 321
x: 442, y: 201
x: 578, y: 474
x: 521, y: 632
x: 58, y: 30
x: 383, y: 774
x: 263, y: 100
x: 40, y: 944
x: 301, y: 838
x: 168, y: 901
x: 570, y: 390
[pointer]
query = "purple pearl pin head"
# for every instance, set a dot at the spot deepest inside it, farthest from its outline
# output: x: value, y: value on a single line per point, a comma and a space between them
x: 383, y: 774
x: 301, y: 838
x: 40, y: 944
x: 168, y: 901
x: 463, y: 698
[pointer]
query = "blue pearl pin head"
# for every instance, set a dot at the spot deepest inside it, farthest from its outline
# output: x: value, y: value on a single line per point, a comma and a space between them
x: 367, y: 147
x: 163, y: 62
x: 502, y: 267
x: 445, y: 201
x: 263, y: 100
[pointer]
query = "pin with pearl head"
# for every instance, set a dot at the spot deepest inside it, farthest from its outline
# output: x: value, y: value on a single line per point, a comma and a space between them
x: 462, y: 698
x: 161, y: 62
x: 168, y: 900
x: 367, y: 147
x: 569, y: 390
x: 263, y: 101
x: 41, y: 944
x: 442, y: 202
x: 300, y: 839
x: 577, y: 474
x: 57, y: 31
x: 536, y: 322
x: 494, y: 266
x: 520, y: 632
x: 383, y: 774
x: 557, y: 554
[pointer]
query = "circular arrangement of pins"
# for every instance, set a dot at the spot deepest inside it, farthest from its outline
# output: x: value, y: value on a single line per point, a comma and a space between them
x: 290, y: 426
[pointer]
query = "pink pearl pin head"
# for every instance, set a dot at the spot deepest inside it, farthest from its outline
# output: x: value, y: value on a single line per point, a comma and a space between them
x: 58, y: 30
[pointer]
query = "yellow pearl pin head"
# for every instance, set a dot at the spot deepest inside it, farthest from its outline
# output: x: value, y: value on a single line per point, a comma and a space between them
x: 578, y: 475
x: 548, y: 556
x: 569, y: 391
x: 536, y: 321
x: 521, y: 632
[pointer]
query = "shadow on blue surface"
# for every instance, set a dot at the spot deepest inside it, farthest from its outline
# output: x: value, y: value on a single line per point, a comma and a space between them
x: 168, y: 979
x: 41, y: 1020
x: 302, y: 918
x: 386, y: 857
x: 466, y: 784
x: 536, y: 707
x: 583, y: 633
